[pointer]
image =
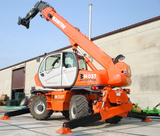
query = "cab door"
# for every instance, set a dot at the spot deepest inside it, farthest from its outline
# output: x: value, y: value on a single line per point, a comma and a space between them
x: 69, y: 69
x: 58, y: 70
x: 50, y: 71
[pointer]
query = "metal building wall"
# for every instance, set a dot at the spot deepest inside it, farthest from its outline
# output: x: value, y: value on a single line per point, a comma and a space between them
x: 6, y: 75
x: 141, y: 47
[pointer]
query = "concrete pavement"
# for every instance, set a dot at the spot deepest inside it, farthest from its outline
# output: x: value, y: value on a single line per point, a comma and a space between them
x: 25, y: 125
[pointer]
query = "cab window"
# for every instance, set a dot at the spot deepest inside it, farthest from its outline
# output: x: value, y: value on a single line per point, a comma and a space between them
x: 69, y: 60
x: 42, y: 67
x: 53, y: 62
x: 82, y: 64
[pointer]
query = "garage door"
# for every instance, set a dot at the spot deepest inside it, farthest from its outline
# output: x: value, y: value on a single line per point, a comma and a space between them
x: 18, y: 77
x: 18, y: 81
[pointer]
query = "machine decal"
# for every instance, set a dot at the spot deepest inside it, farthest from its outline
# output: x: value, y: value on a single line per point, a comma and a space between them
x: 118, y: 93
x: 88, y: 77
x: 58, y: 22
x: 59, y: 97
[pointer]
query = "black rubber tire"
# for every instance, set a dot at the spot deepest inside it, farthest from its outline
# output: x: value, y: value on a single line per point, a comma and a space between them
x: 24, y: 102
x: 78, y: 107
x: 114, y: 120
x: 38, y: 108
x: 65, y: 114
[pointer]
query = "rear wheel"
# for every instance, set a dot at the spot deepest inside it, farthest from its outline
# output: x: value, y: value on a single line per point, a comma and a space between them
x: 78, y: 107
x: 38, y: 108
x: 114, y: 120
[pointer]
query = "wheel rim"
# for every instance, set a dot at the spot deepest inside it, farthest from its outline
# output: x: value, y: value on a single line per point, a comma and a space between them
x: 39, y: 107
x: 73, y: 111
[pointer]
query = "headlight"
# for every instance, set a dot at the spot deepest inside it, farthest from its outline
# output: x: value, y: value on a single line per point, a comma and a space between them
x: 129, y: 74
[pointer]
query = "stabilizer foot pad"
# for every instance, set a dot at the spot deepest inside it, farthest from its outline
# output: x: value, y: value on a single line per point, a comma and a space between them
x: 147, y: 120
x: 64, y: 130
x: 5, y: 118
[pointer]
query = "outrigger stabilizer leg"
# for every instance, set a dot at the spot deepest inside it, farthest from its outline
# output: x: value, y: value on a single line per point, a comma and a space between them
x: 67, y: 126
x: 142, y: 116
x: 7, y: 115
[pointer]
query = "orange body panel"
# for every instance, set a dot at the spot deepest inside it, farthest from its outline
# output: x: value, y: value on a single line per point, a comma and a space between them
x: 113, y: 97
x: 97, y: 77
x: 118, y: 96
x: 59, y: 100
x: 123, y: 109
x: 119, y: 75
x: 115, y: 76
x: 36, y: 79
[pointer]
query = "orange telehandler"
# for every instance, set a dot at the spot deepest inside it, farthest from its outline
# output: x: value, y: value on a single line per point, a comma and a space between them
x: 88, y: 95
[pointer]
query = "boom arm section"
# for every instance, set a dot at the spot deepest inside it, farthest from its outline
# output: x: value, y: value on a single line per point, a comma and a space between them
x: 75, y: 36
x: 38, y: 7
x: 118, y: 73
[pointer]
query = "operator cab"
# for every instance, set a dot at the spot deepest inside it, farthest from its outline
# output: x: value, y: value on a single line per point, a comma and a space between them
x: 60, y: 70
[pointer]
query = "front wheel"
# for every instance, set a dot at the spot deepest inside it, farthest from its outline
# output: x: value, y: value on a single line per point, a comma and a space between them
x: 38, y: 108
x: 78, y: 107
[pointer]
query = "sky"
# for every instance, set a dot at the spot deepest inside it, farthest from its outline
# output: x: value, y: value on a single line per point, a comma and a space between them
x: 18, y: 44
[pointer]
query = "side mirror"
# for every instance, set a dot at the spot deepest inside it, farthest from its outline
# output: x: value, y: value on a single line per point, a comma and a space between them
x: 120, y: 57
